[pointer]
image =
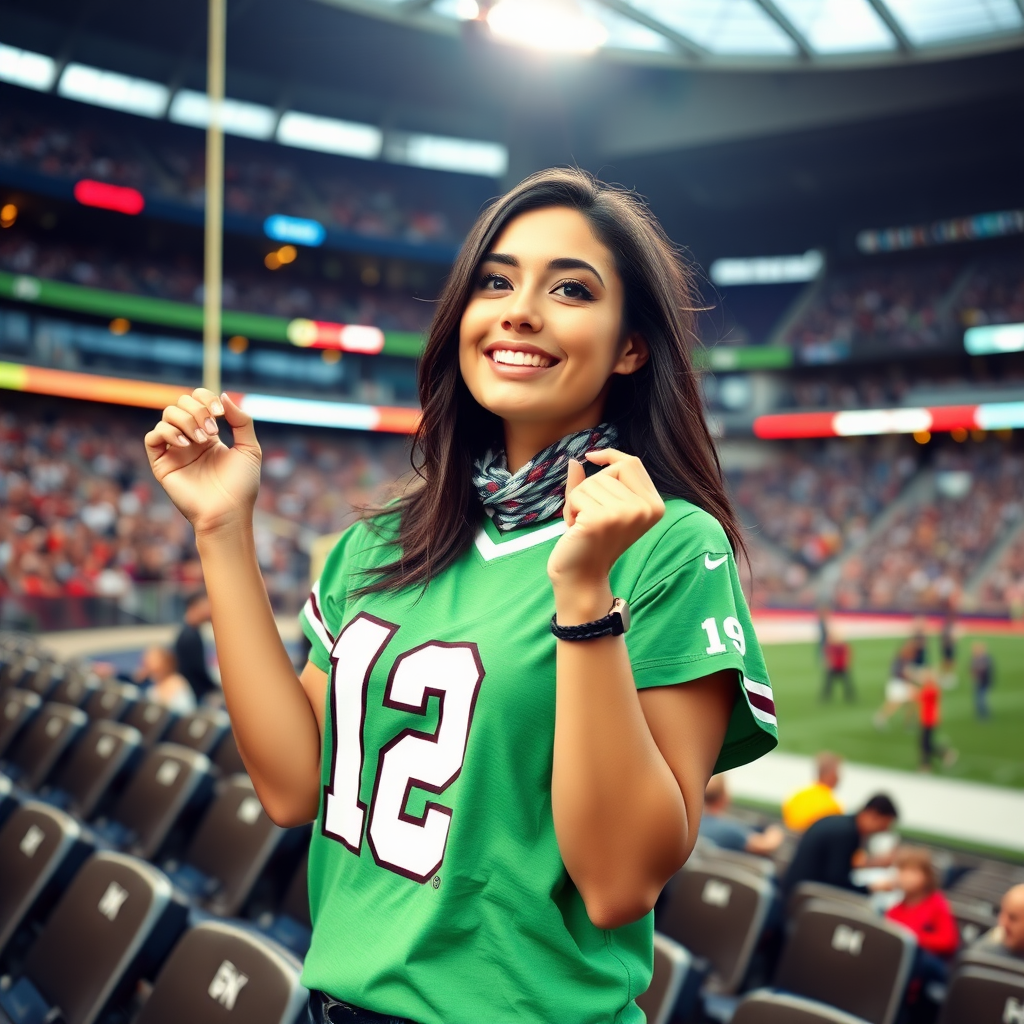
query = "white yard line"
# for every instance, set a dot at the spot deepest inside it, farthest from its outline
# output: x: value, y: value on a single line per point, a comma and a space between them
x: 939, y: 806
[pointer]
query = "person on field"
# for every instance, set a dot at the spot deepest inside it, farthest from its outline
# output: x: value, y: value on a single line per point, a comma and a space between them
x: 982, y: 672
x: 730, y: 834
x: 901, y: 687
x: 524, y: 670
x: 837, y: 657
x: 827, y: 849
x: 929, y: 700
x: 818, y: 800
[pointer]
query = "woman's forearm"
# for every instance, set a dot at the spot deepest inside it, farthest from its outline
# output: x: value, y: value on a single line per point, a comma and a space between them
x: 273, y: 722
x: 619, y: 814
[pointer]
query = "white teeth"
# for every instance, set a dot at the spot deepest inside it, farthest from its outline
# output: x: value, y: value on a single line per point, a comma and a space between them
x: 516, y: 357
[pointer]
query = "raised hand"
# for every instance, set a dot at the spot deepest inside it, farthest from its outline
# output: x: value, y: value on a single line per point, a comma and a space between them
x: 606, y: 513
x: 212, y: 485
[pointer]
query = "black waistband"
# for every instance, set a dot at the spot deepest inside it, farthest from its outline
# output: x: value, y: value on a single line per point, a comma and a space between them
x: 329, y: 1010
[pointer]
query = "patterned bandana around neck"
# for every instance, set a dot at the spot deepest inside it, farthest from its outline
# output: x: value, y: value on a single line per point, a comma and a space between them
x: 537, y: 491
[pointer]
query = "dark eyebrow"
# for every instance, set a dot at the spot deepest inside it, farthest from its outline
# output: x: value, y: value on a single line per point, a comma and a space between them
x: 562, y: 263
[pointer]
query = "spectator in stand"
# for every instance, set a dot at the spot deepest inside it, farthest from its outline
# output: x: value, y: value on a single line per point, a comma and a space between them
x: 189, y: 649
x: 158, y: 673
x: 717, y: 827
x: 982, y: 671
x: 827, y: 849
x: 816, y: 801
x: 837, y: 667
x: 929, y: 699
x: 1007, y: 938
x: 923, y: 909
x: 900, y: 689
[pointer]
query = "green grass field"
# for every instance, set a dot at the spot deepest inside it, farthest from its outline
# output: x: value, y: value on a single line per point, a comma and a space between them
x: 990, y: 751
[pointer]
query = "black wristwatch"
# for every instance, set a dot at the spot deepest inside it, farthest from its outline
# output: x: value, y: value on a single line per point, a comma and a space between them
x: 615, y: 623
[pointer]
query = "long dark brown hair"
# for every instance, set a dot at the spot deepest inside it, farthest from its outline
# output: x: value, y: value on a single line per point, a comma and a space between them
x: 657, y: 409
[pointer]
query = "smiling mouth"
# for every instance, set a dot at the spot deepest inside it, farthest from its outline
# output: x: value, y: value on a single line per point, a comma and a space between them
x: 516, y: 357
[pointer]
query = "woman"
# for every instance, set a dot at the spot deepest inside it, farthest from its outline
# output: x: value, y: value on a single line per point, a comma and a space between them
x: 499, y: 807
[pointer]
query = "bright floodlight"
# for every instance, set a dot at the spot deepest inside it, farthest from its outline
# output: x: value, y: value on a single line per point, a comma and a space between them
x: 557, y: 25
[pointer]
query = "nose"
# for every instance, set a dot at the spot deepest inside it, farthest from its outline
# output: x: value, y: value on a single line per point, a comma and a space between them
x: 521, y: 315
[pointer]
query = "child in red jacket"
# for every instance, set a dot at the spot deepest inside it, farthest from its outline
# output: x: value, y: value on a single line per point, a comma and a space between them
x: 924, y: 909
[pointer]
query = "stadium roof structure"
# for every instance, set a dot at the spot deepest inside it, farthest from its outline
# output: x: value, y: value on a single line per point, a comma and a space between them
x: 743, y: 33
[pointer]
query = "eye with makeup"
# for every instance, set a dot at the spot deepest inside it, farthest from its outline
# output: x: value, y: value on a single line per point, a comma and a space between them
x: 494, y: 282
x: 574, y: 290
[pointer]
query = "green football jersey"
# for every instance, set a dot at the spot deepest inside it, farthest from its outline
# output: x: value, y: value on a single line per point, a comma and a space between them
x: 436, y: 886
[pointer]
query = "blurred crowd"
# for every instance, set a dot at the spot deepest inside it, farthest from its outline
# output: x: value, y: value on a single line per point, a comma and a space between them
x: 363, y: 200
x: 993, y: 295
x: 933, y: 547
x: 900, y: 307
x: 813, y: 502
x: 257, y: 291
x: 81, y: 515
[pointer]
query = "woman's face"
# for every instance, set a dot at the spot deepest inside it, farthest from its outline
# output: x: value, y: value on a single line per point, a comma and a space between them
x: 542, y: 333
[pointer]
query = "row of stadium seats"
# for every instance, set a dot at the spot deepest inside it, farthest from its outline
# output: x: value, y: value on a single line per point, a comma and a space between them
x: 839, y: 961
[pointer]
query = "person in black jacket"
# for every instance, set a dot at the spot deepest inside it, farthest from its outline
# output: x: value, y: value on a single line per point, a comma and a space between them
x: 827, y: 848
x: 189, y: 649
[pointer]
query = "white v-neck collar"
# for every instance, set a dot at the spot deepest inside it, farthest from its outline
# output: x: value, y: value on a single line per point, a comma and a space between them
x: 490, y: 549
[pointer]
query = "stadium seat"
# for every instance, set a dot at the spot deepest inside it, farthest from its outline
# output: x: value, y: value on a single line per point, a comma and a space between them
x: 979, y: 995
x: 672, y: 963
x: 41, y: 847
x: 717, y: 913
x: 234, y: 844
x: 226, y: 758
x: 291, y: 926
x: 218, y: 969
x: 848, y: 958
x: 202, y: 730
x: 972, y: 920
x: 101, y: 758
x: 111, y: 701
x: 804, y: 892
x: 151, y: 719
x: 19, y: 707
x: 19, y: 669
x: 779, y: 1008
x: 45, y: 679
x: 975, y: 957
x: 75, y: 688
x: 8, y: 798
x: 42, y: 744
x: 115, y: 924
x: 763, y: 867
x: 158, y: 807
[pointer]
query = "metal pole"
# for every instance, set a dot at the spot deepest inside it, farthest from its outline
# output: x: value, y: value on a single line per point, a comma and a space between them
x: 214, y: 198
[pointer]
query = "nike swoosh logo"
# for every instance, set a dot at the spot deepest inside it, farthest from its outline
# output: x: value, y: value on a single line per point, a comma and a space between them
x: 710, y: 563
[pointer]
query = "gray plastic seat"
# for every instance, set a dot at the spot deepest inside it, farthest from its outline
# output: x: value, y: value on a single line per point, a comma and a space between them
x: 233, y: 845
x: 226, y: 758
x: 40, y: 849
x: 717, y: 913
x: 151, y: 719
x: 979, y: 995
x: 115, y: 923
x: 848, y: 958
x: 975, y: 956
x: 779, y: 1008
x: 42, y: 744
x: 202, y: 730
x: 100, y: 759
x: 111, y: 701
x: 17, y: 709
x: 714, y: 856
x: 972, y: 920
x: 75, y: 688
x: 160, y: 803
x: 672, y: 963
x: 219, y: 971
x: 44, y: 680
x: 804, y: 892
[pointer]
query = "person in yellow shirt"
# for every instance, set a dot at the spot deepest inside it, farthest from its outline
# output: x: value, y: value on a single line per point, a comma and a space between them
x: 807, y: 805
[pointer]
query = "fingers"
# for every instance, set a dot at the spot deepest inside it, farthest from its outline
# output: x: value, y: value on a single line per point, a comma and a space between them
x: 575, y: 476
x: 240, y: 422
x: 162, y: 435
x: 630, y: 470
x: 185, y: 420
x: 205, y: 425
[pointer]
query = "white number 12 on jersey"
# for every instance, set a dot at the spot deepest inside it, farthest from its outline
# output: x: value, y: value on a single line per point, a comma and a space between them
x: 409, y: 845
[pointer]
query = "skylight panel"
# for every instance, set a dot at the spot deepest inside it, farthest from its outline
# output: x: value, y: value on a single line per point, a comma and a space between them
x: 626, y: 34
x: 931, y: 22
x: 442, y: 153
x: 723, y: 26
x: 838, y: 26
x: 25, y: 68
x: 237, y: 118
x: 109, y: 89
